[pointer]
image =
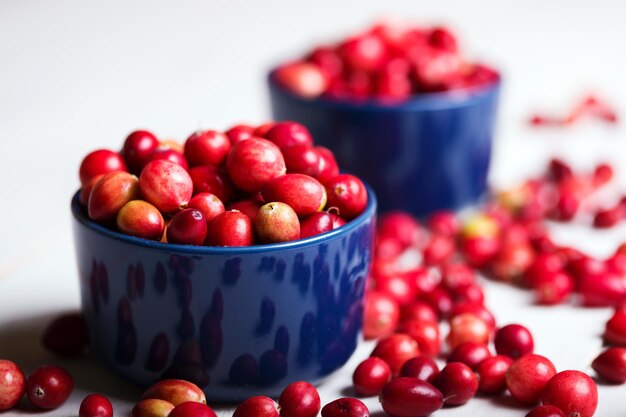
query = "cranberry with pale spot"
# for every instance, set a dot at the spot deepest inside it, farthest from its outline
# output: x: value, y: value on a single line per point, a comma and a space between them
x: 48, y: 387
x: 348, y: 194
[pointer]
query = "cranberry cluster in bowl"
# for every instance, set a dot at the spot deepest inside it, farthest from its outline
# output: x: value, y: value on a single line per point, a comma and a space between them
x: 388, y: 61
x: 248, y: 185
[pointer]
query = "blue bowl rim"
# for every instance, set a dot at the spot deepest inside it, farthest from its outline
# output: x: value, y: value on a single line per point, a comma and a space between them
x: 419, y: 102
x: 369, y: 212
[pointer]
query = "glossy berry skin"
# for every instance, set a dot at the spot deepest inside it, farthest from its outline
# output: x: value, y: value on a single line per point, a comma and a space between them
x: 328, y: 167
x: 152, y: 407
x: 420, y: 367
x: 286, y: 134
x: 239, y: 133
x: 299, y: 399
x: 457, y: 382
x: 514, y: 341
x: 95, y: 405
x: 468, y: 328
x: 276, y: 222
x: 138, y: 147
x: 206, y: 147
x: 610, y: 365
x: 169, y: 154
x: 66, y: 336
x: 249, y: 207
x: 348, y: 194
x: 110, y: 194
x: 546, y: 411
x: 141, y: 219
x: 370, y: 376
x: 253, y: 163
x: 304, y: 194
x: 231, y: 228
x: 49, y: 386
x: 492, y: 374
x: 396, y: 350
x: 410, y: 397
x: 257, y: 407
x: 574, y: 392
x: 345, y: 407
x: 98, y: 162
x: 214, y: 180
x: 470, y: 353
x: 208, y: 204
x: 315, y: 224
x: 527, y: 377
x: 187, y: 227
x: 302, y: 159
x: 426, y: 333
x: 12, y: 384
x: 192, y: 409
x: 381, y: 315
x: 166, y: 185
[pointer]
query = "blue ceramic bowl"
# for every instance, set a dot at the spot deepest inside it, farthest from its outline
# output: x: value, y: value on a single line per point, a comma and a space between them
x: 428, y: 153
x: 236, y: 321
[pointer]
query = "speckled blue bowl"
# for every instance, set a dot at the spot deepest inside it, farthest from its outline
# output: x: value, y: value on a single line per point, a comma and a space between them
x: 424, y: 154
x: 236, y: 321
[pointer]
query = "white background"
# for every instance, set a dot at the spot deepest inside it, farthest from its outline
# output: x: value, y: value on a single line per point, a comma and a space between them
x: 78, y: 75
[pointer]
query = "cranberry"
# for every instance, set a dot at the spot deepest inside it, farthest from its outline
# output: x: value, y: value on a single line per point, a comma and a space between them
x: 479, y: 251
x: 400, y: 287
x: 610, y: 365
x: 286, y: 134
x: 608, y: 218
x: 230, y: 228
x: 152, y: 407
x: 348, y: 194
x: 559, y: 170
x: 400, y: 226
x: 302, y: 78
x: 470, y: 353
x: 410, y: 397
x: 543, y: 265
x: 249, y: 207
x: 141, y: 219
x: 514, y: 341
x: 426, y: 333
x: 192, y: 409
x: 239, y: 133
x: 257, y: 407
x: 439, y: 249
x: 302, y: 159
x: 468, y: 327
x: 615, y: 329
x: 420, y: 367
x: 439, y: 299
x: 101, y: 161
x: 574, y: 392
x: 328, y: 60
x: 304, y: 194
x: 365, y: 52
x: 328, y: 167
x: 208, y: 204
x: 370, y: 376
x: 49, y: 386
x: 602, y: 174
x: 442, y: 38
x: 187, y: 227
x: 253, y: 163
x: 395, y: 350
x: 110, y: 194
x: 261, y: 130
x: 546, y: 411
x: 345, y: 407
x: 476, y: 309
x: 315, y: 224
x: 511, y: 261
x: 66, y: 335
x: 85, y: 190
x: 299, y: 399
x: 137, y: 148
x: 12, y: 384
x: 206, y: 147
x: 492, y: 374
x: 95, y: 405
x: 553, y: 288
x: 457, y: 382
x: 527, y: 377
x: 443, y: 223
x: 171, y: 155
x: 603, y: 289
x: 175, y: 391
x: 166, y: 185
x: 470, y: 293
x: 418, y: 310
x: 214, y: 180
x: 381, y: 315
x: 457, y: 275
x: 276, y: 222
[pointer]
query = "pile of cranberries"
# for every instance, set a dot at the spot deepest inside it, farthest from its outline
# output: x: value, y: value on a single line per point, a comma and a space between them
x: 389, y: 61
x: 248, y: 185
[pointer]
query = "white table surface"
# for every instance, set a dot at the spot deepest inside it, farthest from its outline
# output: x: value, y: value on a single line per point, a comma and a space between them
x: 77, y: 75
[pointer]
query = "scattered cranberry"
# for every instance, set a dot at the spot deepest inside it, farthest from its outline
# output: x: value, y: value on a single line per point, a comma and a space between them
x: 420, y: 367
x: 457, y: 382
x: 370, y: 376
x: 527, y: 377
x: 426, y: 333
x: 470, y: 353
x: 546, y: 411
x: 95, y: 405
x: 574, y: 392
x: 491, y: 374
x: 345, y: 407
x: 299, y: 399
x: 49, y: 386
x: 610, y: 365
x: 192, y: 409
x: 410, y: 397
x: 12, y: 384
x: 395, y: 350
x: 381, y: 315
x: 468, y: 328
x: 257, y: 407
x: 514, y: 341
x: 66, y: 335
x: 399, y: 226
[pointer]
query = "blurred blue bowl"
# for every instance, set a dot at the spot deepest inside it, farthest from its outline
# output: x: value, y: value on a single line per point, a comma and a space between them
x: 428, y: 153
x: 236, y: 321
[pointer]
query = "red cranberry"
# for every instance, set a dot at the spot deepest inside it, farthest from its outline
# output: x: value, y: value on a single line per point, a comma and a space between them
x: 559, y: 170
x: 208, y: 204
x: 443, y: 223
x: 249, y: 207
x: 457, y: 382
x: 365, y: 52
x: 302, y: 159
x: 239, y: 133
x: 171, y: 155
x: 328, y: 167
x: 85, y: 190
x: 230, y: 228
x: 553, y: 288
x: 470, y: 353
x: 304, y: 194
x: 49, y: 386
x: 137, y: 148
x: 439, y: 299
x: 479, y: 251
x: 470, y: 293
x: 286, y: 134
x: 192, y: 409
x: 410, y: 397
x: 141, y: 219
x: 418, y: 310
x: 65, y: 335
x: 152, y: 407
x: 476, y: 309
x: 608, y: 218
x: 511, y: 261
x: 348, y: 194
x: 610, y: 365
x: 387, y: 248
x: 442, y: 38
x: 602, y: 174
x: 299, y: 399
x: 328, y: 60
x: 420, y: 367
x: 276, y: 222
x: 400, y: 226
x: 527, y: 377
x: 457, y: 275
x: 187, y: 227
x: 261, y: 130
x: 395, y: 350
x: 206, y: 147
x: 468, y: 328
x: 166, y: 185
x: 95, y: 405
x: 370, y: 376
x: 546, y: 411
x: 302, y: 78
x: 381, y: 315
x: 615, y: 329
x: 253, y: 163
x: 492, y: 374
x: 214, y: 180
x: 257, y: 407
x: 605, y: 289
x: 439, y: 250
x: 345, y: 407
x: 315, y: 224
x: 398, y: 286
x: 12, y: 384
x: 110, y: 194
x: 514, y: 341
x: 426, y: 333
x: 544, y: 264
x: 574, y: 392
x: 101, y: 161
